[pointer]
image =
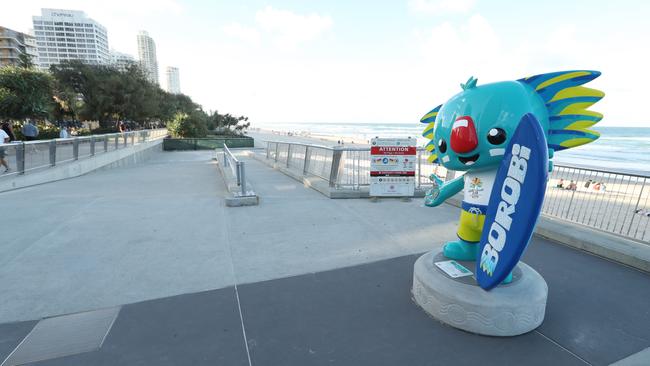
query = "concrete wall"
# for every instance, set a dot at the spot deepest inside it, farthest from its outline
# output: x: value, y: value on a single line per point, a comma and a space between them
x: 122, y: 157
x: 208, y: 143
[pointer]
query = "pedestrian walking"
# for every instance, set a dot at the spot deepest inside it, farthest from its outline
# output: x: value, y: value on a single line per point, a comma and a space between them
x: 6, y: 127
x: 4, y: 139
x: 64, y: 134
x: 29, y: 130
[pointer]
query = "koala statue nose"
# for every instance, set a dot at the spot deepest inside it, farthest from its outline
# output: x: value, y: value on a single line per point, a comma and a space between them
x: 463, y: 135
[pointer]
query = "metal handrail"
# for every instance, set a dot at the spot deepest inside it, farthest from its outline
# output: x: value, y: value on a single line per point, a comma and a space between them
x: 38, y: 154
x: 237, y: 168
x: 600, y: 170
x: 339, y: 147
x: 298, y: 144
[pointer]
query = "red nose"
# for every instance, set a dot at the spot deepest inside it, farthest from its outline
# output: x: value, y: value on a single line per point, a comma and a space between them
x: 463, y: 135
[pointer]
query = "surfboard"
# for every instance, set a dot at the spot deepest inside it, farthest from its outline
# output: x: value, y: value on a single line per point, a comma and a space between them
x: 515, y: 203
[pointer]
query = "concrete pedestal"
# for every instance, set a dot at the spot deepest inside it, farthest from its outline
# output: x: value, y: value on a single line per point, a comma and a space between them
x: 506, y: 310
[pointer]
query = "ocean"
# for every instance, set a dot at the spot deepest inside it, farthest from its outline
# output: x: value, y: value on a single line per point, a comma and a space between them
x: 618, y: 148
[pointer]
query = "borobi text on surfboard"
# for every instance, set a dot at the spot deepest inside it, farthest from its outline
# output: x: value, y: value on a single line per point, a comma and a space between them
x: 510, y: 192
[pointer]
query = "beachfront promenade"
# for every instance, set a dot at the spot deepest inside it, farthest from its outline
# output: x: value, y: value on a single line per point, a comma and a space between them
x: 299, y: 279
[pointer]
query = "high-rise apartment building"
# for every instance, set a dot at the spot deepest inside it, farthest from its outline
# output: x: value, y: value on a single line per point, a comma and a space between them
x: 173, y: 80
x: 121, y: 60
x: 147, y: 56
x: 13, y: 44
x: 69, y: 35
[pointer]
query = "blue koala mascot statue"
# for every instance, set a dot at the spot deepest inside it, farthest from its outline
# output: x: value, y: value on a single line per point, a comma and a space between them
x: 471, y: 131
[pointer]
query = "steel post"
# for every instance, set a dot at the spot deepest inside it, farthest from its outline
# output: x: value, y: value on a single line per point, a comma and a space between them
x: 288, y: 154
x: 75, y: 148
x: 52, y: 152
x: 419, y: 157
x: 337, y: 154
x: 20, y: 158
x: 305, y: 166
x: 242, y: 177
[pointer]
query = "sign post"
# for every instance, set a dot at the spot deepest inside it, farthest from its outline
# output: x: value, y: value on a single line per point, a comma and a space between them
x: 392, y: 167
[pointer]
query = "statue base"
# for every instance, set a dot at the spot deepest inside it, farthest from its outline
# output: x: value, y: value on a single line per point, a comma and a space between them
x: 507, y: 310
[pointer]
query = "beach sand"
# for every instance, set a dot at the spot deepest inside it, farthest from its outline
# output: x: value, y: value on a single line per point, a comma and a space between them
x: 325, y: 140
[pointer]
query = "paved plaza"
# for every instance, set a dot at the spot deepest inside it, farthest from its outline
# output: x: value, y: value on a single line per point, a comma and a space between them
x: 298, y: 280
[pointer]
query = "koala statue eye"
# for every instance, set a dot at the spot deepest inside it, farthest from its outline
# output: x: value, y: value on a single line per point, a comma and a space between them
x: 496, y: 136
x: 442, y: 146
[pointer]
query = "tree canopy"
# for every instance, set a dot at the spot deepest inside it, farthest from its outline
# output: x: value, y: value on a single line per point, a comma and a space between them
x: 79, y: 91
x: 24, y: 93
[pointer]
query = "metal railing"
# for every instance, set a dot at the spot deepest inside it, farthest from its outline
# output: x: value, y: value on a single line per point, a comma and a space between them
x: 614, y: 202
x: 29, y: 156
x: 238, y: 170
x: 343, y: 167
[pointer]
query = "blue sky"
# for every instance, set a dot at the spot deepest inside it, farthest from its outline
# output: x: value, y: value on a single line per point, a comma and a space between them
x: 371, y: 61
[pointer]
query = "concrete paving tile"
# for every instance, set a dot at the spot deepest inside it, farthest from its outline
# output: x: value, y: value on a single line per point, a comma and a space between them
x: 194, y: 329
x: 596, y: 308
x: 364, y: 315
x: 113, y: 237
x: 64, y: 335
x: 303, y: 231
x: 11, y: 334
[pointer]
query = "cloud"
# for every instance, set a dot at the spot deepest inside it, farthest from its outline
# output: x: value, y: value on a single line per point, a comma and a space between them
x: 440, y: 7
x: 246, y: 34
x: 281, y: 27
x: 473, y: 46
x: 291, y: 28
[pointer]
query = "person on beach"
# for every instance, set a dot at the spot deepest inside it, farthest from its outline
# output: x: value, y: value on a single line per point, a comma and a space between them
x: 560, y: 184
x: 572, y: 186
x: 643, y: 212
x: 596, y: 187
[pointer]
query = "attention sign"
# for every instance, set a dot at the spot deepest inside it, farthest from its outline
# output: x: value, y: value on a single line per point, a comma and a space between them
x: 392, y: 167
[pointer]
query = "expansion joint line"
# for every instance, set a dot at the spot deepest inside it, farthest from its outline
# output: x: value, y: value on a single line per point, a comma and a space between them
x: 564, y: 348
x: 234, y: 275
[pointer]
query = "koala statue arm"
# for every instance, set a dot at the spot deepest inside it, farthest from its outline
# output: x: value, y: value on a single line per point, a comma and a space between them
x: 442, y: 191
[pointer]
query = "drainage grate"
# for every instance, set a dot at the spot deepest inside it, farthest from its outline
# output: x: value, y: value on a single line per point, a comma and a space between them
x: 63, y: 336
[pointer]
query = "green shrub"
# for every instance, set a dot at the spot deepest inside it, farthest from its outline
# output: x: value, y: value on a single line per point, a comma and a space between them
x: 187, y: 125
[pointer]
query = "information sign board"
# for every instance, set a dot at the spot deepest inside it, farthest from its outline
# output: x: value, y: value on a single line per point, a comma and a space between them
x: 392, y: 167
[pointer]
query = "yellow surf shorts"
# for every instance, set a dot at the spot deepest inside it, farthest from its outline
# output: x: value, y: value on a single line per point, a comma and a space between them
x: 470, y: 226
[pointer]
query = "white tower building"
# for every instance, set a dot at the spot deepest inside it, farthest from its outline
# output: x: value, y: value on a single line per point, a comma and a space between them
x: 69, y: 35
x: 121, y: 60
x: 147, y: 55
x: 173, y: 80
x: 13, y: 44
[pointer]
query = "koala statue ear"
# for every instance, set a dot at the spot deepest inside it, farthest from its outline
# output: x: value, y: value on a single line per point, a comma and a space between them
x: 567, y: 103
x: 431, y: 116
x: 430, y: 120
x: 469, y: 84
